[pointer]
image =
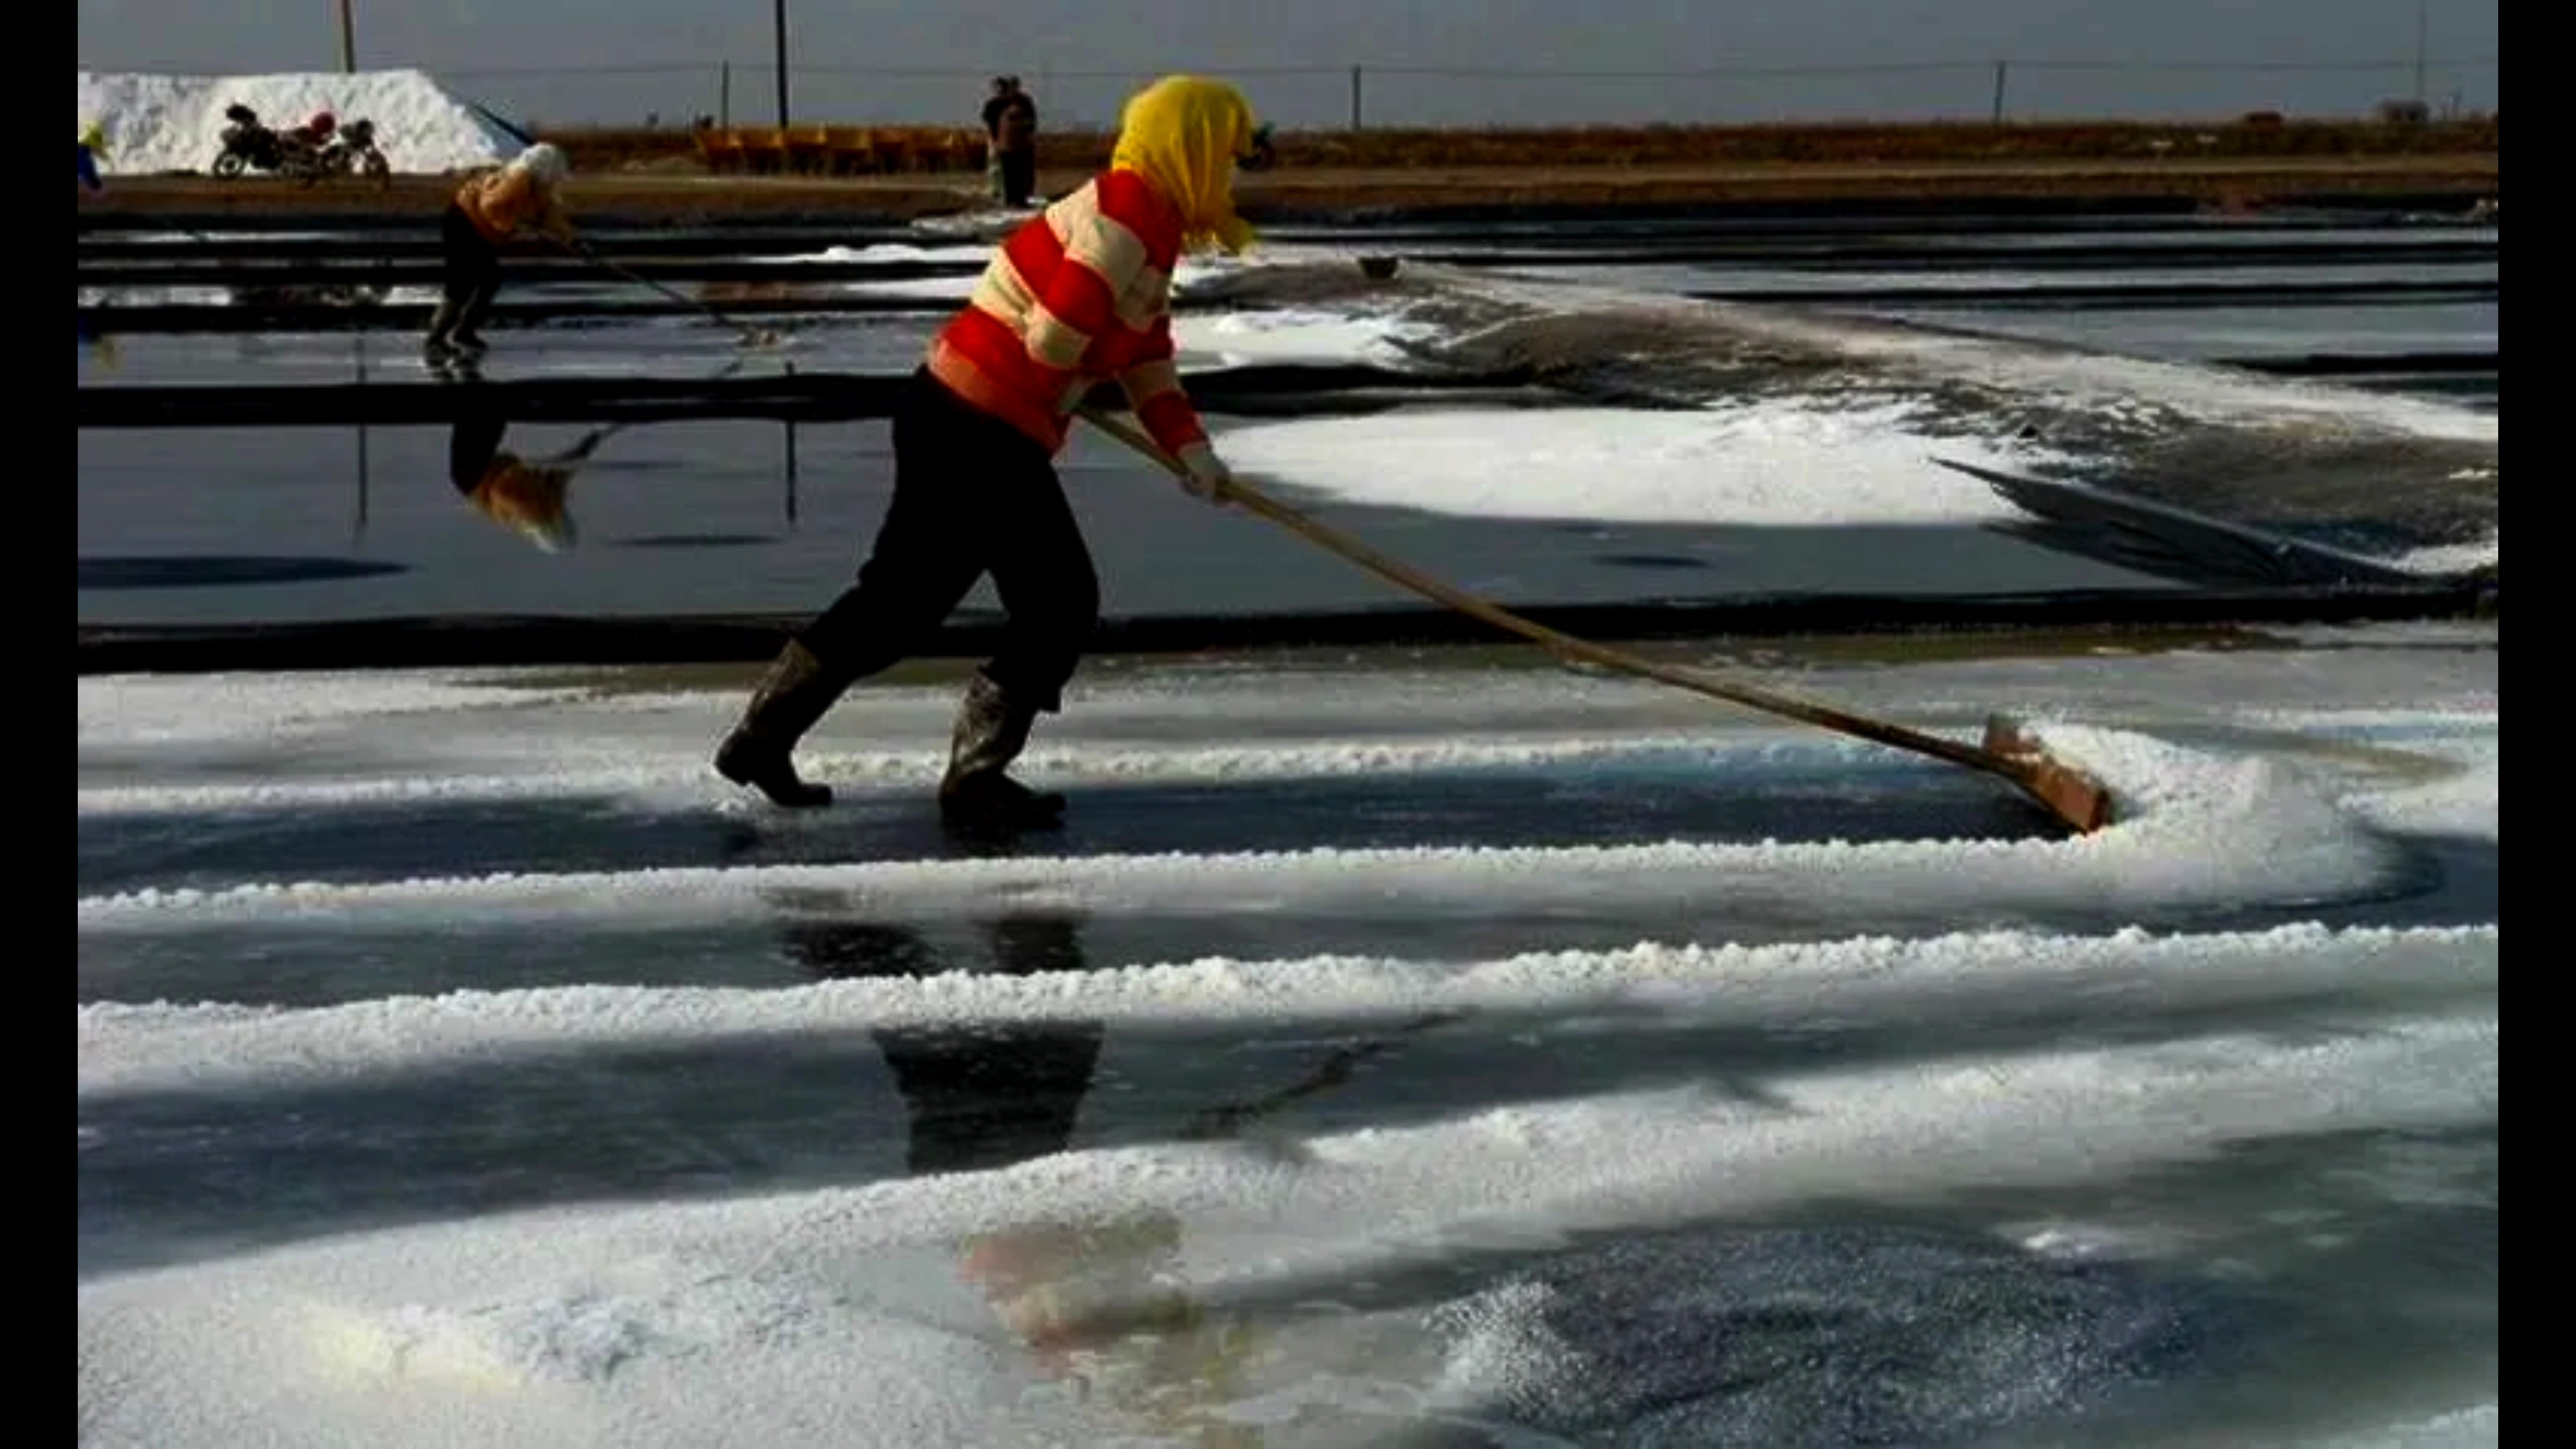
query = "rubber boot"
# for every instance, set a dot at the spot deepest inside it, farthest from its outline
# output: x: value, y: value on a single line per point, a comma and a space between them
x: 992, y: 729
x: 468, y: 338
x: 442, y: 326
x: 467, y: 335
x: 790, y: 698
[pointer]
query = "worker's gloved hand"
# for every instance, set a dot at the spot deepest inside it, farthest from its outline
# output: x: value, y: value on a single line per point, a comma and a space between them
x: 1206, y: 476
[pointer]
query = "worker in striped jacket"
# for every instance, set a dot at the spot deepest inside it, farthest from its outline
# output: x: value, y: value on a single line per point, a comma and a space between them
x: 1078, y: 295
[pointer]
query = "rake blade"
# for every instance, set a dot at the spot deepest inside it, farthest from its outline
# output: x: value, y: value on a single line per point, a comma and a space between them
x: 2066, y: 792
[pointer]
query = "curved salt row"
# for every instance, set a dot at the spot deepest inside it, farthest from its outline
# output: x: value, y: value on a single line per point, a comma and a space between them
x: 124, y: 1047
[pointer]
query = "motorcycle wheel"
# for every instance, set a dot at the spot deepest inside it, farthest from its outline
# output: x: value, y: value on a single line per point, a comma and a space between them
x: 228, y: 164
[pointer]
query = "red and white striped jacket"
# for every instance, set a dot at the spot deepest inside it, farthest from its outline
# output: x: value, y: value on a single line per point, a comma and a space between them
x: 1079, y: 294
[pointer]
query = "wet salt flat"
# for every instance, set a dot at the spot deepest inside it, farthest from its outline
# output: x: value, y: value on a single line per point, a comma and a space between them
x: 707, y: 517
x: 1378, y: 1041
x: 1395, y: 1047
x: 1822, y: 485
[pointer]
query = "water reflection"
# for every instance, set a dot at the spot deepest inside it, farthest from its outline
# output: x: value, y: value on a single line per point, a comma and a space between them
x: 216, y: 571
x: 1099, y: 1303
x: 314, y: 294
x: 100, y: 347
x: 979, y: 1097
x: 531, y: 496
x: 1722, y: 1333
x: 528, y: 496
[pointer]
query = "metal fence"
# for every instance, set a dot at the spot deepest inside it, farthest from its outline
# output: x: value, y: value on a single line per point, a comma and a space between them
x: 1362, y: 95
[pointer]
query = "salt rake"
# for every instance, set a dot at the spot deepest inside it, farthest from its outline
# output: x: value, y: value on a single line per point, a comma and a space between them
x: 2009, y: 752
x: 749, y: 336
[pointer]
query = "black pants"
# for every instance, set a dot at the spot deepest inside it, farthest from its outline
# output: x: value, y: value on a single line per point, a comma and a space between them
x: 472, y: 444
x: 1019, y: 176
x: 472, y: 268
x: 972, y: 495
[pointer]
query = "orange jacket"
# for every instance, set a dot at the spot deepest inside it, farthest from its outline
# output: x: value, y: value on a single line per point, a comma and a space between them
x: 526, y: 497
x: 505, y: 202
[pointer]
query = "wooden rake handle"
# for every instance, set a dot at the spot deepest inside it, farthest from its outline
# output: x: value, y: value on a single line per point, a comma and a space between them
x: 750, y: 335
x: 1565, y: 645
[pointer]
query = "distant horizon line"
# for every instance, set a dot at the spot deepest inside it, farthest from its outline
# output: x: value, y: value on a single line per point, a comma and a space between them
x: 1785, y: 70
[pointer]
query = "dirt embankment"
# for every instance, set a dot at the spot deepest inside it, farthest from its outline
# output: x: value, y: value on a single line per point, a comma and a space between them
x: 882, y: 149
x: 2227, y: 183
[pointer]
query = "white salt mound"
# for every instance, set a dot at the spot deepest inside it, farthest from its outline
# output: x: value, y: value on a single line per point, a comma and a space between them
x: 1764, y: 464
x: 158, y: 124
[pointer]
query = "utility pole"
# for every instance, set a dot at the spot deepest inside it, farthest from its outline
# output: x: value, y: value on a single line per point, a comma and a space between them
x: 782, y: 64
x: 348, y: 42
x: 2002, y: 69
x: 2419, y: 50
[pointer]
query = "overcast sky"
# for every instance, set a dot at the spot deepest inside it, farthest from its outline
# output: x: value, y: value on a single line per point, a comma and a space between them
x: 1081, y: 56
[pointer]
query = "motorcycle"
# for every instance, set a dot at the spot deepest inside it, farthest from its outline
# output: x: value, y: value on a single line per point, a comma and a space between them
x: 252, y: 146
x: 352, y: 151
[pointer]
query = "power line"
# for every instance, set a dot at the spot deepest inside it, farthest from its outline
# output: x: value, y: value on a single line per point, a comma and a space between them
x: 944, y: 73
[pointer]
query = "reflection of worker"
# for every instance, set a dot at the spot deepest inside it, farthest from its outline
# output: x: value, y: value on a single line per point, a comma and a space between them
x: 93, y: 150
x: 983, y: 1098
x: 100, y: 345
x: 1104, y: 1302
x: 1076, y: 296
x: 1100, y: 1299
x: 526, y: 497
x: 488, y: 211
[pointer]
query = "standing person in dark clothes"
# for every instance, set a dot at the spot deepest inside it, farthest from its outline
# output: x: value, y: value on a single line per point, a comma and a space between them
x: 1076, y: 296
x: 1016, y: 138
x: 994, y: 105
x: 488, y: 212
x: 1011, y: 136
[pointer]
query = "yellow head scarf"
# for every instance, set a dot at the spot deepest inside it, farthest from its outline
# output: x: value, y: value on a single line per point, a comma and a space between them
x: 94, y: 136
x: 1184, y: 134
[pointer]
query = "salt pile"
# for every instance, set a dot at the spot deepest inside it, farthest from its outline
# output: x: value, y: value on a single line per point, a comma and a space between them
x: 157, y: 124
x: 1775, y: 463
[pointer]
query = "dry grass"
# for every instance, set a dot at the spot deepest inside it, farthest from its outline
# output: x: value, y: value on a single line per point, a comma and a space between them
x: 639, y: 148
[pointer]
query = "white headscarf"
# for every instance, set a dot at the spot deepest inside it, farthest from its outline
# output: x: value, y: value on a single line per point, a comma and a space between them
x: 544, y: 162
